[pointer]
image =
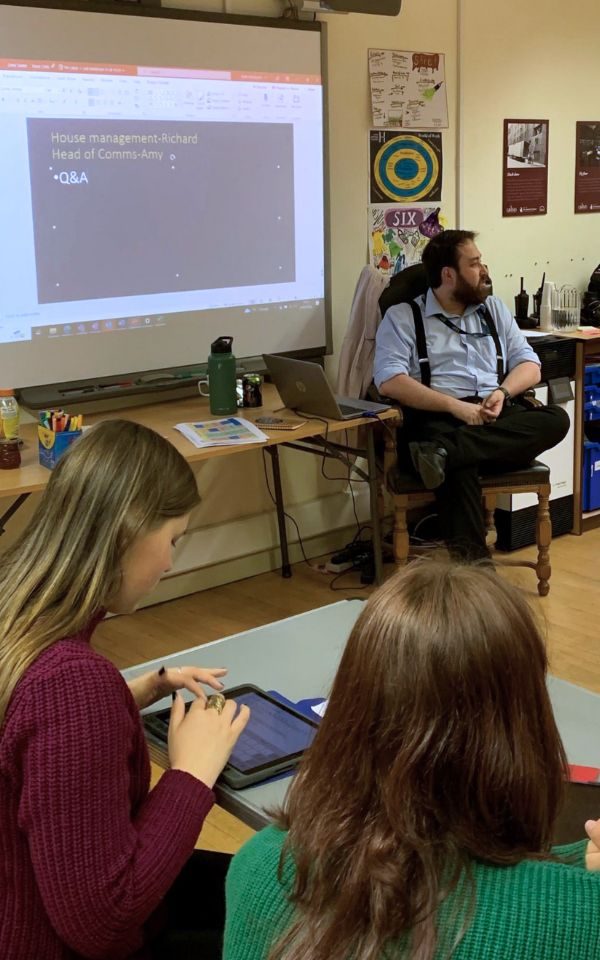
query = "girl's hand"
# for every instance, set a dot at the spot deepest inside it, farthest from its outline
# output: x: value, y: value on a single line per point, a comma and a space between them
x: 150, y: 687
x: 201, y: 740
x: 592, y: 853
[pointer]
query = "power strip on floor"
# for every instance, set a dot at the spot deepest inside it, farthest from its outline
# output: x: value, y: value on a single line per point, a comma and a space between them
x: 339, y: 567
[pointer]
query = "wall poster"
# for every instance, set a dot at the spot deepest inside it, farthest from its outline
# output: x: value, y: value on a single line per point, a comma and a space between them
x: 408, y: 89
x: 587, y: 167
x: 398, y: 235
x: 525, y: 168
x: 405, y: 167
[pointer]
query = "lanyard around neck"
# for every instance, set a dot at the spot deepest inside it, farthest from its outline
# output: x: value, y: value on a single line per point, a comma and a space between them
x: 478, y: 335
x: 421, y: 340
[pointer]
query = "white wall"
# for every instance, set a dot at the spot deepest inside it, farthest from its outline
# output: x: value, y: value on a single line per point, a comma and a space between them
x: 517, y: 59
x: 528, y: 59
x: 422, y: 25
x: 234, y: 532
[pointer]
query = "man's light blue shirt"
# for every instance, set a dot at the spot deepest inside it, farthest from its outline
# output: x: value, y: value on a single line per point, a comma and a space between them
x: 461, y: 365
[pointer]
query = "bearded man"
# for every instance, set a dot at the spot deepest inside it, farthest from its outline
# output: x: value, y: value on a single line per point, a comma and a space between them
x: 458, y: 364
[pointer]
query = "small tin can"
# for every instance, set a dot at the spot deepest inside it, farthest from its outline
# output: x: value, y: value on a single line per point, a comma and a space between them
x: 10, y: 455
x: 251, y: 389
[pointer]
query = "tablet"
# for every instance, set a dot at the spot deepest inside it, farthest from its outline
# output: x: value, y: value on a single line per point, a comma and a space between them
x: 273, y: 741
x: 582, y: 802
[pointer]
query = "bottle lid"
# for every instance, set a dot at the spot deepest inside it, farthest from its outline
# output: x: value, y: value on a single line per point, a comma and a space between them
x: 221, y: 345
x: 7, y: 392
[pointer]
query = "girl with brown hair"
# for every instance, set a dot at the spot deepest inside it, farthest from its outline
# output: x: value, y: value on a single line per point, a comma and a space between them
x: 420, y: 822
x: 92, y: 860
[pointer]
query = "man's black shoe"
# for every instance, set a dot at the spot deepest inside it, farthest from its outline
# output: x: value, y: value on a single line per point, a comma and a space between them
x: 429, y: 460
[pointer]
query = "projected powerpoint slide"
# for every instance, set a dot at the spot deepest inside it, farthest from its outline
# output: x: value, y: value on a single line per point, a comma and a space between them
x: 132, y: 207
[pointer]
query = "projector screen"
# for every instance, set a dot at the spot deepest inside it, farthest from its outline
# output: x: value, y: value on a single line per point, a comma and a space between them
x: 162, y: 185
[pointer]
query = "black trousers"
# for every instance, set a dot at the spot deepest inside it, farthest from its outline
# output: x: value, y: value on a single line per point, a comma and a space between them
x: 193, y: 912
x: 518, y: 436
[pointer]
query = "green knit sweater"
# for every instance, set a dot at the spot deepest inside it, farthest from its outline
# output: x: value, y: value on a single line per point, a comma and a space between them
x: 537, y: 910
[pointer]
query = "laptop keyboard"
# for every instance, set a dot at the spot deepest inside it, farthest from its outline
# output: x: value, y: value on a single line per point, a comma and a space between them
x: 346, y: 408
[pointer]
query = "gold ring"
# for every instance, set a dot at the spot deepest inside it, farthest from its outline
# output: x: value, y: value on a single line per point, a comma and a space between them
x: 216, y: 701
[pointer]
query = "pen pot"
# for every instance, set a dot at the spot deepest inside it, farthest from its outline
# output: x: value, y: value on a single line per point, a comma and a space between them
x: 52, y: 445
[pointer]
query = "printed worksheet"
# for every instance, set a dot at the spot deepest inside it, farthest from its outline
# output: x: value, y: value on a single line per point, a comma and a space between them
x: 229, y: 431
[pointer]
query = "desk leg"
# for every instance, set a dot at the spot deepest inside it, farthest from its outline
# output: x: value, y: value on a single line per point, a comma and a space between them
x: 286, y: 570
x: 579, y: 439
x: 12, y: 509
x: 375, y: 524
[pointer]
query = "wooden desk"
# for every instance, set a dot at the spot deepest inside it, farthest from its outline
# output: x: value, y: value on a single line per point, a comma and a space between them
x: 587, y: 349
x: 315, y: 437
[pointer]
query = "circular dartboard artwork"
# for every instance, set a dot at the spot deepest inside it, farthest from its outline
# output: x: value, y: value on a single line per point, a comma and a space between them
x: 406, y: 167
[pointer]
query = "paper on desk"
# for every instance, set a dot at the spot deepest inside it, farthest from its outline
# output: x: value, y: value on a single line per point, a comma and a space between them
x: 320, y: 708
x: 228, y: 432
x: 590, y: 331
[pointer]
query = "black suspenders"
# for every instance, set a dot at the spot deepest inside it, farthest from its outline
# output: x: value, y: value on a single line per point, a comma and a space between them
x: 421, y: 343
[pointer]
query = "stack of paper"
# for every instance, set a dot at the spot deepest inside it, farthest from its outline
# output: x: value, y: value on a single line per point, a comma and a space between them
x: 229, y: 432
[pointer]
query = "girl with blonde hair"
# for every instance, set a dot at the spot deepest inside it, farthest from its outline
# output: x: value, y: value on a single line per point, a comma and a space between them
x: 91, y: 858
x: 420, y: 823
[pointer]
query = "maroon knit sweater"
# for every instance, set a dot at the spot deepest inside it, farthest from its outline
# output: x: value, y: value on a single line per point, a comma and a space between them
x: 87, y: 851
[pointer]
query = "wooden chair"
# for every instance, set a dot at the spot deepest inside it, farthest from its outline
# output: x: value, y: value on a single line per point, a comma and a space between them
x: 407, y: 492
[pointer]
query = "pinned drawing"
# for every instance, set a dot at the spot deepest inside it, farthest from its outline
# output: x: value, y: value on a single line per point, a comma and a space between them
x: 398, y: 235
x: 405, y: 167
x: 408, y: 89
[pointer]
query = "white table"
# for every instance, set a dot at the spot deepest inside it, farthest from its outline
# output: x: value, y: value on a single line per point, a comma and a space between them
x: 298, y: 658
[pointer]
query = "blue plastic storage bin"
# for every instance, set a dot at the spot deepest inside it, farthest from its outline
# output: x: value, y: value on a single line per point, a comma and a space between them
x: 592, y: 374
x: 591, y: 476
x: 592, y: 402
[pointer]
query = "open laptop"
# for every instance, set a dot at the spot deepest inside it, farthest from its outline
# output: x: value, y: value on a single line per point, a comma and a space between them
x: 304, y: 387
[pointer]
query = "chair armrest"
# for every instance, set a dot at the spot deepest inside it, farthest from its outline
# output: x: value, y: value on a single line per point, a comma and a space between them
x: 529, y: 399
x: 390, y: 454
x: 374, y: 394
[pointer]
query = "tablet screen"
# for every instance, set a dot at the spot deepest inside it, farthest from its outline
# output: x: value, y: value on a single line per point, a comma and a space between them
x: 272, y: 733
